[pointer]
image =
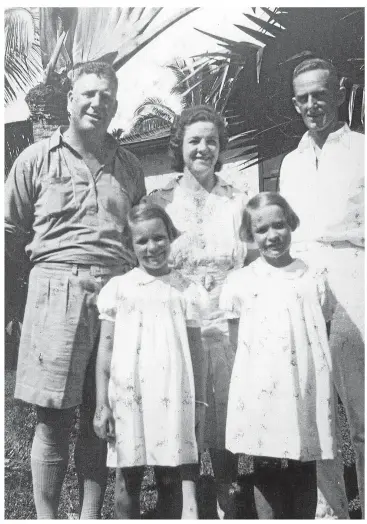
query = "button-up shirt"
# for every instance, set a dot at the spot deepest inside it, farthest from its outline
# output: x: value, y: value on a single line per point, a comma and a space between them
x: 62, y: 212
x: 328, y: 195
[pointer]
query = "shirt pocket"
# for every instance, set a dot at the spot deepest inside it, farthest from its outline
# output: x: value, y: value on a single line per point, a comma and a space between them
x: 59, y: 195
x: 115, y: 201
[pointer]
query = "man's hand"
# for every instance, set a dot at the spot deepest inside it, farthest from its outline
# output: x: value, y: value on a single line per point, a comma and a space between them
x: 200, y: 409
x: 104, y: 423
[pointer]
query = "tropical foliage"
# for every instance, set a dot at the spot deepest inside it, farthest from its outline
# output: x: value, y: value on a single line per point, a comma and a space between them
x: 73, y: 35
x: 22, y: 54
x: 68, y: 36
x: 195, y: 84
x: 260, y: 96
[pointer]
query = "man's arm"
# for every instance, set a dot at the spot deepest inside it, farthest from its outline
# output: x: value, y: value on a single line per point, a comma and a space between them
x: 19, y: 206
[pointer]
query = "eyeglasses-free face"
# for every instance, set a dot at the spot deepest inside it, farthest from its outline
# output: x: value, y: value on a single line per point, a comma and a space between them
x: 151, y: 244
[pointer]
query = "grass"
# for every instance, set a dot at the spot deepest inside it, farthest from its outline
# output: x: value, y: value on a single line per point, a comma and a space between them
x: 18, y: 503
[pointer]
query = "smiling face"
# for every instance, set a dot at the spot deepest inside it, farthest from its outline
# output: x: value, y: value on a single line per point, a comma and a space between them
x: 272, y: 234
x: 151, y: 244
x: 92, y: 104
x: 200, y: 149
x: 317, y: 98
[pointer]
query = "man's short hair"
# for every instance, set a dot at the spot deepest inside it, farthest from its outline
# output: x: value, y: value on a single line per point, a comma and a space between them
x: 100, y: 69
x: 311, y: 64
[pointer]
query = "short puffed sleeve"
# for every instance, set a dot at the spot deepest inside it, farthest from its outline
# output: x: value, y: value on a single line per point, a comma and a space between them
x: 325, y: 294
x: 107, y: 300
x: 230, y: 301
x: 197, y: 305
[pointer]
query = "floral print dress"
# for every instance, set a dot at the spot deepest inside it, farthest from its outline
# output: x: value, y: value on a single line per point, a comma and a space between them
x: 281, y: 400
x: 151, y: 389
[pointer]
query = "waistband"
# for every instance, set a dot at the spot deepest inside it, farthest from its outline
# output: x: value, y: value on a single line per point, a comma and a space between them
x: 93, y: 270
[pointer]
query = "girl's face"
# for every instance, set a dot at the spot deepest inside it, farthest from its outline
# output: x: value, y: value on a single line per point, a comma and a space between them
x: 272, y: 235
x: 151, y: 245
x: 200, y: 148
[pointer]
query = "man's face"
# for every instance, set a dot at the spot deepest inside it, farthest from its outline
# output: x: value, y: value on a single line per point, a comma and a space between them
x: 317, y: 98
x: 92, y: 104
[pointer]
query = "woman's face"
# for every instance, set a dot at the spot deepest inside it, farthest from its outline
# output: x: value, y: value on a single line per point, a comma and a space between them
x: 200, y: 149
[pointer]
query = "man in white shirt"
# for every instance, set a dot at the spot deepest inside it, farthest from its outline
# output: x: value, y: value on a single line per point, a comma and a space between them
x: 323, y: 180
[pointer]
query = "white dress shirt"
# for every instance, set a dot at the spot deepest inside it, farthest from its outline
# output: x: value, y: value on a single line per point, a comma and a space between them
x: 328, y: 195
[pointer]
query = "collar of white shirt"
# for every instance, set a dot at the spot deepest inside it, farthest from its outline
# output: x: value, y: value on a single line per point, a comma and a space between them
x: 340, y: 136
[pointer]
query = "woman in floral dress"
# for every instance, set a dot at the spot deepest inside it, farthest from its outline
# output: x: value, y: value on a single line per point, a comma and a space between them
x: 207, y: 211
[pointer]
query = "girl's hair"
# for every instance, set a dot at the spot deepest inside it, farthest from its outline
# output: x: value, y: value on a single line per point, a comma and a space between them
x: 148, y: 211
x: 190, y: 116
x: 267, y: 198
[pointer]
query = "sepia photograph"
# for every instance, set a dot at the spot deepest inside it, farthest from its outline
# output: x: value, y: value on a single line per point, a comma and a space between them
x: 184, y: 262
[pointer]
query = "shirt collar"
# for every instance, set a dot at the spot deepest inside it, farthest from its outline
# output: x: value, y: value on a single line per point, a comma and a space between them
x: 56, y: 140
x: 221, y: 188
x: 341, y: 135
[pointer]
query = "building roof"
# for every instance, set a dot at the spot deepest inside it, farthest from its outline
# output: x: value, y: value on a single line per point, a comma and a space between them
x: 149, y: 142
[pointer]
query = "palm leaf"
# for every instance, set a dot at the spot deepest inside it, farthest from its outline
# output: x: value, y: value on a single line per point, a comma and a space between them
x: 276, y: 15
x: 261, y: 37
x: 267, y: 26
x: 22, y: 61
x: 93, y: 33
x: 260, y: 95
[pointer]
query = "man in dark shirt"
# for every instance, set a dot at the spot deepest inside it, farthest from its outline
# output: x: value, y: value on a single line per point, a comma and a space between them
x: 66, y: 201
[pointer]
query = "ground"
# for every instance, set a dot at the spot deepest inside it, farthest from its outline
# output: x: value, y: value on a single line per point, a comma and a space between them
x: 18, y: 504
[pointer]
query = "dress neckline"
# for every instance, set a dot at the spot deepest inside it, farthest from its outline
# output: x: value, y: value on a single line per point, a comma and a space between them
x: 295, y: 269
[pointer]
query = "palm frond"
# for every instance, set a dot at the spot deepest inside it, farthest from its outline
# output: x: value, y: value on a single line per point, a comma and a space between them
x: 20, y: 30
x: 266, y: 26
x: 22, y: 60
x: 257, y: 91
x: 148, y: 103
x: 277, y: 15
x: 265, y: 39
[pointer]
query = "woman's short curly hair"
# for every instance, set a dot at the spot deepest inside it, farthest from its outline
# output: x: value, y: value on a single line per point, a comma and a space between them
x: 266, y: 198
x: 191, y: 115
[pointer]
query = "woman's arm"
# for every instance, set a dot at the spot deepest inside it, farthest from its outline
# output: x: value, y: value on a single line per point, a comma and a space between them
x: 233, y: 324
x: 103, y: 421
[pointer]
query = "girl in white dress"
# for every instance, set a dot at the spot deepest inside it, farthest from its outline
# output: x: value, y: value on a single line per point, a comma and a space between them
x: 281, y: 410
x: 148, y: 377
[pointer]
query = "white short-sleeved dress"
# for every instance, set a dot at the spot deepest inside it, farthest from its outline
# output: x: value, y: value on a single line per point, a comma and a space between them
x: 151, y: 388
x: 281, y: 400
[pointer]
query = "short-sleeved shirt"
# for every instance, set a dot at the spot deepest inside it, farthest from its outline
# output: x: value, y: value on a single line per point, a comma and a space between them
x: 62, y: 212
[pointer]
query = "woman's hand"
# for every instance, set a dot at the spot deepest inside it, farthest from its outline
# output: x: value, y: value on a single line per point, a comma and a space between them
x: 200, y: 411
x: 104, y: 423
